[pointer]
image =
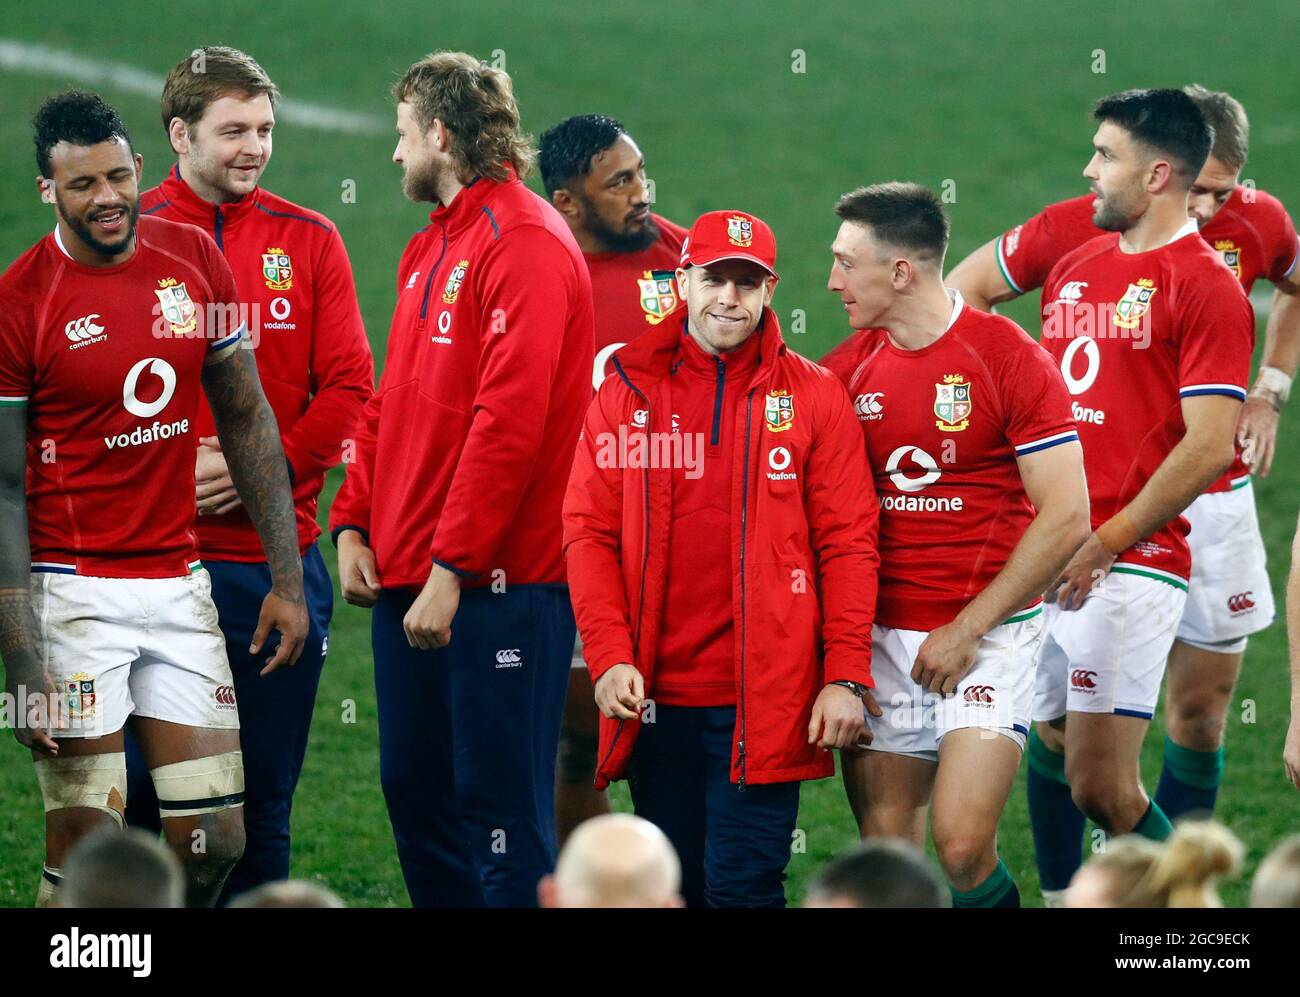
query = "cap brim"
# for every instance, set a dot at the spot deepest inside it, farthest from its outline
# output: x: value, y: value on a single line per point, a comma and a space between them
x: 734, y: 256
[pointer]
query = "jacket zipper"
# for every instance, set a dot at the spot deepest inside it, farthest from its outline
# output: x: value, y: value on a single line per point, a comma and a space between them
x: 744, y: 506
x: 216, y: 230
x: 717, y: 399
x: 428, y: 281
x: 645, y: 558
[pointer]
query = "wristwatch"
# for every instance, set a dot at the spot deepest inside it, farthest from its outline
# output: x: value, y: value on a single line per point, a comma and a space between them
x: 857, y: 688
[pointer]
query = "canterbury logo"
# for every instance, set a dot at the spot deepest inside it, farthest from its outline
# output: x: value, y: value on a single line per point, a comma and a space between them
x: 1241, y: 602
x: 225, y: 695
x: 979, y: 694
x: 83, y: 328
x: 508, y: 656
x: 1081, y: 678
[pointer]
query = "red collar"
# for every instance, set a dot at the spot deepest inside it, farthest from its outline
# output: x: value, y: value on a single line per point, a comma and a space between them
x: 182, y: 199
x: 471, y: 202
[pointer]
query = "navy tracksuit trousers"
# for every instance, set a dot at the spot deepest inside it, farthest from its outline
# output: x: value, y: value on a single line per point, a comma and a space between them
x: 274, y: 716
x: 468, y: 736
x: 733, y: 844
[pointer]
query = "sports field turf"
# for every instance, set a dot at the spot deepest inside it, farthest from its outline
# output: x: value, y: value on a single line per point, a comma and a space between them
x: 991, y: 98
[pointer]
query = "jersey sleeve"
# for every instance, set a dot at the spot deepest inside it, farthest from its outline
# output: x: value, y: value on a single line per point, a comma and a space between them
x: 1036, y: 401
x: 1027, y: 253
x: 1216, y: 337
x: 1284, y: 248
x: 231, y: 328
x: 843, y: 360
x: 17, y: 353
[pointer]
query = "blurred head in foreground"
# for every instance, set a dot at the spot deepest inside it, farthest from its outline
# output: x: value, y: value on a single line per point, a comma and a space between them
x: 289, y: 893
x: 1277, y: 881
x: 115, y: 869
x: 1180, y: 872
x: 616, y: 860
x: 883, y: 872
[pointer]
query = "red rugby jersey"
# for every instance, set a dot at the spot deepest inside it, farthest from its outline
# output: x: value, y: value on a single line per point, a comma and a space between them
x: 1099, y: 305
x: 633, y: 291
x: 944, y: 426
x: 108, y: 362
x: 313, y: 358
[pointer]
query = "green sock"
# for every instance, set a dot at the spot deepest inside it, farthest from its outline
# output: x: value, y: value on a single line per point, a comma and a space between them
x: 1154, y: 824
x: 1043, y: 760
x: 990, y: 893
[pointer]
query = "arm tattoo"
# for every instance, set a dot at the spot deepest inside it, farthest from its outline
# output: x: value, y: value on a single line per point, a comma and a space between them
x: 250, y: 440
x: 18, y: 635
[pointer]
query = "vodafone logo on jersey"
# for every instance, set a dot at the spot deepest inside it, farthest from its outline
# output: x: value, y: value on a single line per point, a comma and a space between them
x: 159, y: 368
x: 144, y: 377
x: 903, y: 467
x: 778, y: 459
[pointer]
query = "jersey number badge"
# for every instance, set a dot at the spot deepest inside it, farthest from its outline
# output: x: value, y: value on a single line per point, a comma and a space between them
x: 952, y: 403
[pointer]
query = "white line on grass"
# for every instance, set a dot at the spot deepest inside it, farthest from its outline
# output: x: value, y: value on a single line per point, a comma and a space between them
x: 25, y: 57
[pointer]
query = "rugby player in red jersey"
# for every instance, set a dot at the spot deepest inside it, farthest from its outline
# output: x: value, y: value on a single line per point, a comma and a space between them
x: 594, y: 174
x: 977, y: 464
x: 1229, y: 595
x: 108, y: 328
x: 1154, y: 336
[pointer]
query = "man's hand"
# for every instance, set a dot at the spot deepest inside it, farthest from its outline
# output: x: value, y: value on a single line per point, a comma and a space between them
x: 945, y: 656
x: 358, y: 572
x: 620, y: 691
x: 1087, y: 568
x: 1291, y: 753
x: 1257, y: 434
x: 23, y: 693
x: 428, y: 622
x: 289, y: 616
x: 839, y: 719
x: 214, y: 491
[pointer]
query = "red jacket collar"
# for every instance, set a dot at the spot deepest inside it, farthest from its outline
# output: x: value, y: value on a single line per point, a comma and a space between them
x: 191, y: 208
x: 648, y: 358
x: 470, y: 202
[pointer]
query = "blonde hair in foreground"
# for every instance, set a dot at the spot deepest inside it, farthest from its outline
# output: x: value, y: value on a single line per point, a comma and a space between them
x: 1181, y: 872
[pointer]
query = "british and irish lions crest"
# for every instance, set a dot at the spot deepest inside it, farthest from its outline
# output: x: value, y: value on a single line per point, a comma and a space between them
x: 79, y: 697
x: 952, y: 403
x: 177, y: 308
x: 1136, y: 302
x: 778, y: 412
x: 740, y: 231
x: 658, y: 294
x: 277, y: 270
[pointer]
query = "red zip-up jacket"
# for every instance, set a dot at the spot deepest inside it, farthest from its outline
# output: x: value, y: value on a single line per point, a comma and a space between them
x: 803, y: 547
x: 295, y: 283
x: 464, y: 452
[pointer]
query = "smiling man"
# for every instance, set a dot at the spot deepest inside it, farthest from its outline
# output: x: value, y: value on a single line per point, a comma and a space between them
x: 295, y: 282
x: 725, y: 610
x: 108, y: 328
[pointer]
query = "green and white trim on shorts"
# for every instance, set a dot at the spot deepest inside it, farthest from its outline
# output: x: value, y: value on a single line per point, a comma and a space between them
x: 1143, y: 571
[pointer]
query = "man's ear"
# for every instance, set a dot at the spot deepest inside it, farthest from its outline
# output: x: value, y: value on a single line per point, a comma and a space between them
x: 139, y: 167
x: 179, y: 136
x: 45, y: 188
x: 903, y: 273
x: 682, y: 281
x: 769, y: 289
x: 1159, y: 175
x: 567, y: 205
x: 441, y: 136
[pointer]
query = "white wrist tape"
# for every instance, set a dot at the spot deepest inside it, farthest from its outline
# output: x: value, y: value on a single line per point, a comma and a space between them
x: 1274, y: 381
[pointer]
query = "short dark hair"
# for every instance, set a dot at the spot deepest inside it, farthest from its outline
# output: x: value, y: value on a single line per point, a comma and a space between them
x: 77, y: 117
x: 882, y: 872
x: 565, y: 150
x: 1223, y: 112
x: 1164, y: 120
x: 903, y: 215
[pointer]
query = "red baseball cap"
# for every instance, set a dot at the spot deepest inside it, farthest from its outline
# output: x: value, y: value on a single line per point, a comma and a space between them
x: 730, y: 235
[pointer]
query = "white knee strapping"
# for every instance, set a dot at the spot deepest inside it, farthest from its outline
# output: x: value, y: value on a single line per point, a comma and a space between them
x: 200, y: 785
x: 95, y: 781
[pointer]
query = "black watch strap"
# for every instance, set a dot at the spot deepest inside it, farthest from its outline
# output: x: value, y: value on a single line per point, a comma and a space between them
x: 857, y: 688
